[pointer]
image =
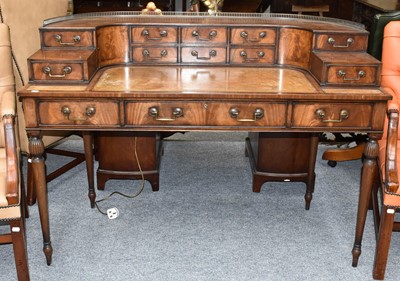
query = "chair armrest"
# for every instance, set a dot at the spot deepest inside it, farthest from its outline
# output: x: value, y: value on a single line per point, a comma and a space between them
x: 391, y: 175
x: 12, y: 188
x: 7, y: 103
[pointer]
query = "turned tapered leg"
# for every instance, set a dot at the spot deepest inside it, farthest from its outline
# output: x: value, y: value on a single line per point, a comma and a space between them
x: 88, y: 147
x: 368, y: 173
x: 36, y: 149
x: 383, y: 243
x: 311, y: 168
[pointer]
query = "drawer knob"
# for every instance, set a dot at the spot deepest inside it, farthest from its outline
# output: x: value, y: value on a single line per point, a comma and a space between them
x: 146, y: 33
x: 58, y: 38
x: 211, y: 54
x: 344, y: 114
x: 332, y: 41
x: 260, y: 55
x: 146, y: 54
x: 261, y: 36
x: 212, y: 34
x: 176, y: 113
x: 66, y: 70
x: 342, y: 73
x: 90, y: 111
x: 234, y: 113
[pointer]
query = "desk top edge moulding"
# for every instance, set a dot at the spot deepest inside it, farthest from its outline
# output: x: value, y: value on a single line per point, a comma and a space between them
x: 125, y: 71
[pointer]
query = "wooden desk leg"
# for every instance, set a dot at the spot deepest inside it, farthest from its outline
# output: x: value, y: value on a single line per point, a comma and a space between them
x: 36, y: 148
x: 88, y: 147
x: 368, y: 173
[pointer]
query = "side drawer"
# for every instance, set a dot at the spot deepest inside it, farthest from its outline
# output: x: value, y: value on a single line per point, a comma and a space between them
x: 165, y: 113
x: 340, y: 42
x: 253, y: 36
x: 328, y: 115
x: 65, y: 39
x: 246, y: 114
x: 203, y: 55
x: 155, y: 54
x: 150, y: 34
x: 203, y: 35
x: 252, y: 55
x: 79, y: 113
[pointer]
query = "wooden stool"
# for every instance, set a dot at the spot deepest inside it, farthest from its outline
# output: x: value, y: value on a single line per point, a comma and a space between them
x: 320, y: 9
x: 283, y: 157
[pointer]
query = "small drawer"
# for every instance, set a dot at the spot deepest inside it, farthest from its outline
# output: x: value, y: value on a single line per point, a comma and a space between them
x: 65, y: 39
x: 204, y: 35
x: 154, y: 34
x: 79, y: 113
x: 336, y: 115
x: 333, y: 68
x: 340, y: 42
x: 154, y: 55
x: 252, y: 55
x: 203, y: 55
x: 253, y: 36
x: 69, y: 66
x: 246, y: 114
x: 165, y: 113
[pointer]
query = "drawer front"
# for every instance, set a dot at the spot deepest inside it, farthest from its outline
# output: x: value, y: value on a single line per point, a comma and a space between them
x: 58, y: 71
x: 337, y: 115
x: 253, y: 36
x: 252, y: 55
x: 154, y: 54
x: 79, y: 113
x: 360, y: 75
x: 154, y: 35
x: 204, y: 35
x: 76, y: 39
x: 246, y: 114
x: 165, y: 113
x: 340, y: 42
x: 203, y: 55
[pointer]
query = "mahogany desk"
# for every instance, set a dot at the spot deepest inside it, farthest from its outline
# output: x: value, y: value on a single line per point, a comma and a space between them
x: 185, y: 72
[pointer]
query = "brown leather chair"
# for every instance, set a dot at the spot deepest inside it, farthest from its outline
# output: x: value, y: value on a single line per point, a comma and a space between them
x: 12, y: 204
x: 24, y: 19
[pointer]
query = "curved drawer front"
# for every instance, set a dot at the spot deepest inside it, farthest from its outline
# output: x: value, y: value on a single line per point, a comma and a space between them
x: 65, y: 39
x: 246, y: 114
x: 337, y: 115
x: 252, y: 55
x: 78, y: 113
x: 204, y: 35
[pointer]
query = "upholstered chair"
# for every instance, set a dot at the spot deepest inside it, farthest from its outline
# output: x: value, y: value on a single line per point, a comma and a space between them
x: 388, y: 160
x: 12, y: 204
x: 24, y: 19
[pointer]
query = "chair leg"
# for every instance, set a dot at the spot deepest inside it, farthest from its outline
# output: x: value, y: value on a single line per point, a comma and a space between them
x: 19, y: 245
x: 383, y: 243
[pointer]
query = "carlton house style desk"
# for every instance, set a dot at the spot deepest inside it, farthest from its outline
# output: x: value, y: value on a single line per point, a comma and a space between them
x: 124, y: 71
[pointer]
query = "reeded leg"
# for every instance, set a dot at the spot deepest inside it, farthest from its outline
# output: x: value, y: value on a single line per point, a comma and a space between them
x: 36, y: 149
x: 368, y: 173
x: 88, y: 147
x: 383, y: 243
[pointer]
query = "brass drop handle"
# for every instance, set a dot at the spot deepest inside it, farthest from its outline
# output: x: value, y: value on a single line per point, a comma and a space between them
x: 66, y: 70
x: 146, y: 33
x: 146, y: 53
x: 342, y: 73
x: 90, y: 111
x: 344, y: 114
x: 258, y: 114
x: 76, y: 39
x: 211, y: 54
x: 332, y: 42
x: 176, y: 113
x: 260, y: 55
x: 212, y: 34
x: 261, y: 36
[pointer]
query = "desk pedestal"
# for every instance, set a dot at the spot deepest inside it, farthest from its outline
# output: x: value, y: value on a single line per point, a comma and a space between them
x: 283, y: 157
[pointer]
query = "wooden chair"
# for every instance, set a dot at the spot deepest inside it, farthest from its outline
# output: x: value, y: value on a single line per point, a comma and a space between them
x: 388, y: 162
x: 12, y: 204
x: 25, y: 42
x: 375, y: 49
x: 319, y: 9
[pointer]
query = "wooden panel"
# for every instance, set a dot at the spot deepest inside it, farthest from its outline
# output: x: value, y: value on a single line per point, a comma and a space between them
x: 294, y: 47
x: 113, y: 45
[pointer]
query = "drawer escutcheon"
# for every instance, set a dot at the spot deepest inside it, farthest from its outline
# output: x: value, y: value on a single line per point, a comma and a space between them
x: 234, y: 113
x: 342, y: 73
x: 332, y: 41
x: 90, y: 111
x: 212, y: 34
x: 344, y: 114
x: 146, y: 33
x: 211, y: 54
x: 176, y: 113
x: 58, y: 38
x: 66, y: 70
